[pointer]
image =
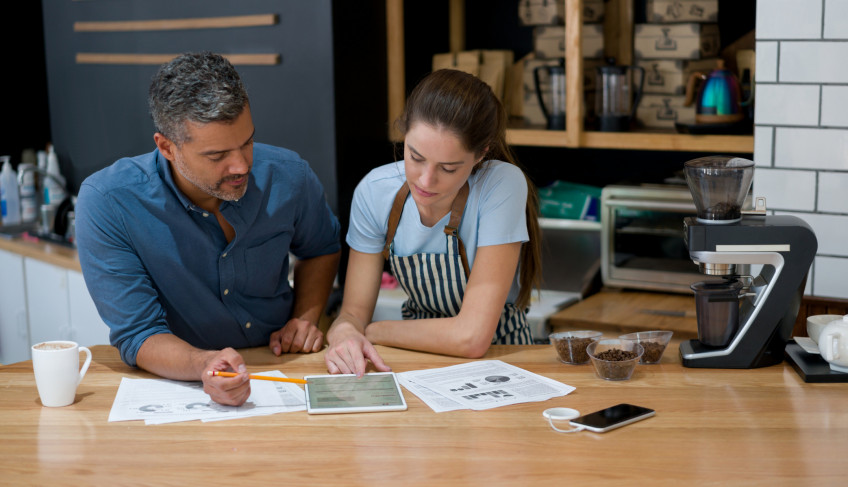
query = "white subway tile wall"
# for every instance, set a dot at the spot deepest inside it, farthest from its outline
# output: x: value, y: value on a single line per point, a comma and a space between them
x: 812, y: 62
x: 786, y: 189
x: 836, y: 19
x: 833, y: 194
x: 789, y: 19
x: 835, y: 105
x: 829, y: 277
x: 766, y: 61
x: 807, y: 148
x: 763, y: 142
x: 787, y: 105
x: 801, y: 126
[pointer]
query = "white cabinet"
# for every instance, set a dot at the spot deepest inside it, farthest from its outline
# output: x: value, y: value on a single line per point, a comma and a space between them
x: 60, y: 307
x: 47, y: 301
x: 14, y: 334
x: 86, y: 325
x: 41, y: 301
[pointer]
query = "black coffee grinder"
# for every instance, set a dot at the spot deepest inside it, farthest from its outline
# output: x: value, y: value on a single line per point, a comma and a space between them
x: 744, y: 321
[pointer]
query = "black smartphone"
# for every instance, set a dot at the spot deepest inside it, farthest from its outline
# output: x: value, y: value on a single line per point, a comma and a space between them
x: 612, y: 417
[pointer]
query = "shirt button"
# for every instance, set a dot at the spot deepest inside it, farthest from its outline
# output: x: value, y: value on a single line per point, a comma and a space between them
x: 247, y: 325
x: 224, y: 255
x: 226, y: 291
x: 205, y: 214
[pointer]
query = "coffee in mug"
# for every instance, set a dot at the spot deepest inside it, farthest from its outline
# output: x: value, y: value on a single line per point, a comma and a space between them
x: 57, y: 371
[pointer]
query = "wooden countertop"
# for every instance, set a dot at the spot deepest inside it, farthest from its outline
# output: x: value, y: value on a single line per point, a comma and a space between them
x: 44, y: 251
x: 623, y: 311
x: 717, y: 427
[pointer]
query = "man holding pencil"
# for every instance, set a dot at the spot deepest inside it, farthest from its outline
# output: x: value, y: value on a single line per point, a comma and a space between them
x: 185, y: 250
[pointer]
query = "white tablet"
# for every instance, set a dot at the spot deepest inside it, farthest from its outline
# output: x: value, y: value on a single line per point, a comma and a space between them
x: 345, y: 393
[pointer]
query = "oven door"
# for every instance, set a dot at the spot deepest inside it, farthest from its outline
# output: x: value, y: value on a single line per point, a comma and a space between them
x: 642, y: 238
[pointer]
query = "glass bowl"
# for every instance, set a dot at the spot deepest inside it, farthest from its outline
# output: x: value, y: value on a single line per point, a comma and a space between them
x: 571, y: 345
x: 615, y: 359
x: 654, y: 343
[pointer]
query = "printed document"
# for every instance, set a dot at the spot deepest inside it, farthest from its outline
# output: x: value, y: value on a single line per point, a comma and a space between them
x: 480, y: 385
x: 158, y: 401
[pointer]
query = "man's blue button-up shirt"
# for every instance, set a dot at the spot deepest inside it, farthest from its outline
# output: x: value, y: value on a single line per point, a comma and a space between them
x: 156, y: 263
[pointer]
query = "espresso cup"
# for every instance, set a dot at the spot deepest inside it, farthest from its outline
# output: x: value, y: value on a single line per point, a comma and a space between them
x: 57, y: 371
x: 816, y: 323
x: 833, y: 345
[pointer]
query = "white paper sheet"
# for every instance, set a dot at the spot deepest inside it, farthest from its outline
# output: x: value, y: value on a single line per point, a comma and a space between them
x: 480, y: 385
x: 158, y: 401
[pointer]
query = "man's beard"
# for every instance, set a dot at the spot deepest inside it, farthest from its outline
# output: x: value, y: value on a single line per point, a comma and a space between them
x: 215, y: 189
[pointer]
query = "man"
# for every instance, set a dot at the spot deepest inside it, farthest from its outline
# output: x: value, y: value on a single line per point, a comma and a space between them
x: 185, y: 249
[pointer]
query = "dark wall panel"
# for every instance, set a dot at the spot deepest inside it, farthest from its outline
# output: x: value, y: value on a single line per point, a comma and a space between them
x: 98, y: 113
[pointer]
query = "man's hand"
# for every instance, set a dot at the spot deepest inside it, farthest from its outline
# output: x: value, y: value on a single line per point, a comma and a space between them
x: 297, y: 336
x: 230, y: 391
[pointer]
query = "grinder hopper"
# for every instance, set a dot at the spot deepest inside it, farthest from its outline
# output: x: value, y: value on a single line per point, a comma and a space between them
x: 719, y: 185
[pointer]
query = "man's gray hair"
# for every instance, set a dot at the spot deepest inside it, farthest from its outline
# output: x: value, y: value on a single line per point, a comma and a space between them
x: 202, y: 87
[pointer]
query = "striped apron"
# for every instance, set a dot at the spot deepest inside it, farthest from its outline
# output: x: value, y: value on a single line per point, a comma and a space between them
x: 435, y: 283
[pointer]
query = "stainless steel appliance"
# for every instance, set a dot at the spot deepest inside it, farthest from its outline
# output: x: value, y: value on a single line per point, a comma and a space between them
x: 642, y: 246
x: 743, y: 321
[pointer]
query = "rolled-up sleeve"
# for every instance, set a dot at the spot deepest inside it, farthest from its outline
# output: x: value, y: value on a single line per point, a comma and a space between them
x: 121, y: 288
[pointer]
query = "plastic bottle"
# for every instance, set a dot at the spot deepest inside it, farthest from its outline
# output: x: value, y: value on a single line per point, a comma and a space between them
x: 54, y: 192
x: 29, y: 195
x: 10, y: 199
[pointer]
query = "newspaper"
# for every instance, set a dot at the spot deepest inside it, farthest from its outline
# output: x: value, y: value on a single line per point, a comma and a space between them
x: 480, y: 385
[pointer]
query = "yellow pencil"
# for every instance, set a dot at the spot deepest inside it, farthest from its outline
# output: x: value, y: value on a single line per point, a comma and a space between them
x: 258, y: 377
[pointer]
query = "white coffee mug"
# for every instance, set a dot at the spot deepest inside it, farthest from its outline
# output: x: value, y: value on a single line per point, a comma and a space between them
x: 833, y: 344
x: 57, y: 371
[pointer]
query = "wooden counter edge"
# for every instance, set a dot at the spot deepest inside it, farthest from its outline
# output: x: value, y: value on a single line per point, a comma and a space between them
x: 49, y: 253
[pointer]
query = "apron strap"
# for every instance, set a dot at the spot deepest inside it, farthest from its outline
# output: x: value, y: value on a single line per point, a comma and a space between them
x: 457, y: 208
x: 394, y: 217
x: 452, y: 228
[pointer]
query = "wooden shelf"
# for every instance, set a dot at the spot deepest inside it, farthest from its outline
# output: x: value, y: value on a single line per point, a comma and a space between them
x: 619, y: 26
x: 637, y: 140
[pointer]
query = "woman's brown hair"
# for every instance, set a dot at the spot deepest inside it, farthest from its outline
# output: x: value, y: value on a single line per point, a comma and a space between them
x: 466, y: 106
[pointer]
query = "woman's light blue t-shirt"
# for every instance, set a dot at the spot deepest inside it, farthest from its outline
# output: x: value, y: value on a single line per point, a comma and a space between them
x: 494, y: 214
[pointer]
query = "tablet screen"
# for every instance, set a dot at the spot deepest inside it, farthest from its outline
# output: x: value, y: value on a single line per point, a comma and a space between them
x: 346, y: 393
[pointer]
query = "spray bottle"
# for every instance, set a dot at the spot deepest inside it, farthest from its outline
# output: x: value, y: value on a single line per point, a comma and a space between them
x: 29, y: 196
x: 10, y: 199
x: 54, y: 192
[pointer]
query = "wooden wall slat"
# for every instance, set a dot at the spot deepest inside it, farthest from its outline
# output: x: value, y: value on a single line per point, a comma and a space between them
x: 126, y: 58
x: 177, y: 24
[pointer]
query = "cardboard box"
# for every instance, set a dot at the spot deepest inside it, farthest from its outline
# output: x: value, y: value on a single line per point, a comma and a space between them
x: 675, y: 41
x: 663, y: 111
x: 669, y: 76
x: 681, y: 10
x: 492, y: 66
x: 549, y: 41
x: 593, y: 10
x: 551, y: 12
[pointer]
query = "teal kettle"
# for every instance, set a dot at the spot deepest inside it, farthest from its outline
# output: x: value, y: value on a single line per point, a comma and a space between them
x: 719, y: 99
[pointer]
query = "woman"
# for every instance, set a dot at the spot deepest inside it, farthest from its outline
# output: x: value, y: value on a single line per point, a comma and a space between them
x: 454, y: 219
